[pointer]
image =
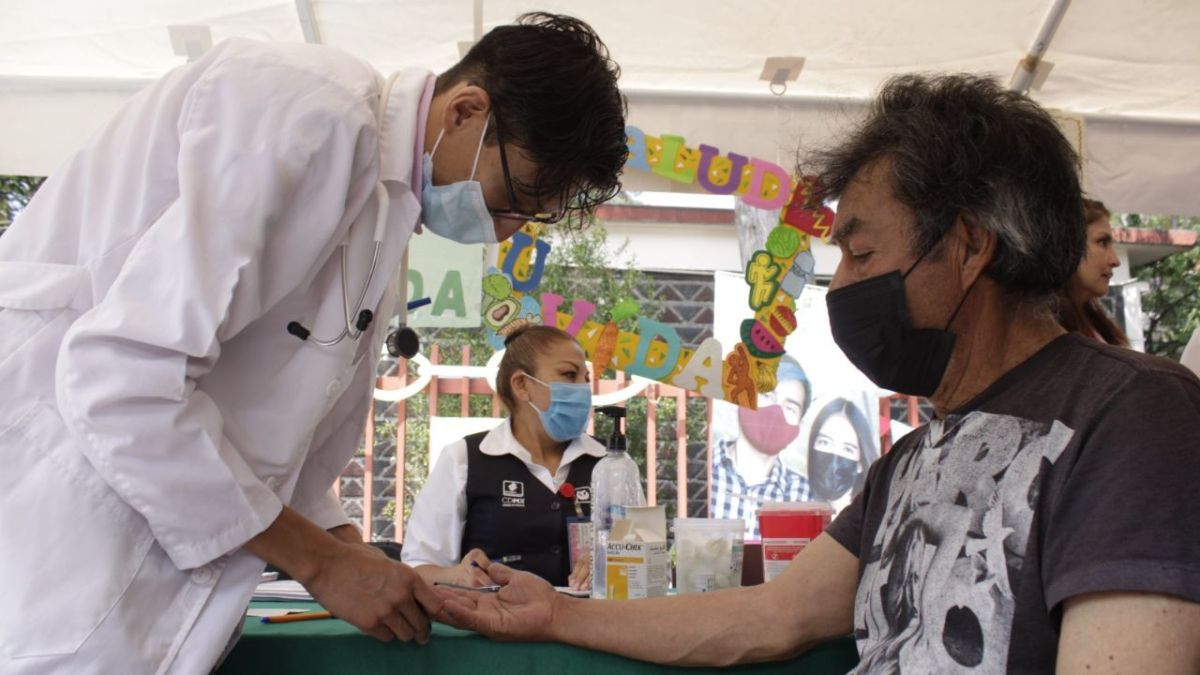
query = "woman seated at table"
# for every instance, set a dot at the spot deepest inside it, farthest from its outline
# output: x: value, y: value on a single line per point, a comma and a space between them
x: 507, y: 494
x: 1079, y: 308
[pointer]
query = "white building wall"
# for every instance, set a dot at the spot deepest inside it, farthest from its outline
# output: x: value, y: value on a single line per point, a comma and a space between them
x: 689, y: 247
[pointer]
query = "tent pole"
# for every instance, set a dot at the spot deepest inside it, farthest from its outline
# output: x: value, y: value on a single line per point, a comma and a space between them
x: 1028, y: 66
x: 308, y: 21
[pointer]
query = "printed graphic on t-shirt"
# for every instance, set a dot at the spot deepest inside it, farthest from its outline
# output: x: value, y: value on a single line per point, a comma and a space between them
x: 936, y: 594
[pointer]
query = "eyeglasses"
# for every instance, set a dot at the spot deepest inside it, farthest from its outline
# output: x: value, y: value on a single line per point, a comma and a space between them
x: 512, y: 212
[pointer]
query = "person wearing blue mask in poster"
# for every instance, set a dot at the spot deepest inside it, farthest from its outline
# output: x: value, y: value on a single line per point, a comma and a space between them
x: 191, y: 314
x: 508, y: 493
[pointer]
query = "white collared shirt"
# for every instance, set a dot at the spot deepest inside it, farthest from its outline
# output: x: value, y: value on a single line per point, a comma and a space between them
x: 435, y: 528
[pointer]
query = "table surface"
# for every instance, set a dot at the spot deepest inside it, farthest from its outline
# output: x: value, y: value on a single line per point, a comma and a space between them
x: 324, y: 647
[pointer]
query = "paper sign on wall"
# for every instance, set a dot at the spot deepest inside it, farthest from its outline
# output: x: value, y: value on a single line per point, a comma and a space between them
x: 450, y: 274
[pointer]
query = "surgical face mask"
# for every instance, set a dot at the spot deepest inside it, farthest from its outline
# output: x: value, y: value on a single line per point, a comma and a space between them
x: 767, y: 429
x: 570, y: 403
x: 830, y: 476
x: 870, y: 323
x: 456, y: 211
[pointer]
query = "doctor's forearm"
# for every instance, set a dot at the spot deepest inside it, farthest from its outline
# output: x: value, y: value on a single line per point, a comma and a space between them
x: 293, y: 544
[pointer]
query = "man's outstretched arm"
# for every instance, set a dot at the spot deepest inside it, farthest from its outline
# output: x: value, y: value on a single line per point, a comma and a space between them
x: 812, y: 601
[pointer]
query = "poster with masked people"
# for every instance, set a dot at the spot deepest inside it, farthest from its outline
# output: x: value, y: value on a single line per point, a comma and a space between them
x: 812, y: 438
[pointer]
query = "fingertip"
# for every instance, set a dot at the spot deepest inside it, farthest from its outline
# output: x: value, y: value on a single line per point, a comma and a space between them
x: 500, y: 573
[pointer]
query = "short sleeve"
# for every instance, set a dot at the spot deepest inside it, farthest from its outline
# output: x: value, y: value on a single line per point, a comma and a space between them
x: 864, y: 513
x: 1126, y: 517
x: 846, y: 529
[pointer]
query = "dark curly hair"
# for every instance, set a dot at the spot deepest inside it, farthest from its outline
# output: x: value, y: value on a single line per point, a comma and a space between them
x: 962, y: 143
x: 554, y: 91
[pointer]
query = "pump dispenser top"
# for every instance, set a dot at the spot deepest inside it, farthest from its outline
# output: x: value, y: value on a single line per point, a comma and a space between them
x: 616, y: 439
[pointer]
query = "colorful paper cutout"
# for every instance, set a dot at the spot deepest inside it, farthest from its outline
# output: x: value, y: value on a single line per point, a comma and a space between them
x: 677, y: 161
x: 702, y: 371
x: 500, y: 312
x: 582, y: 311
x: 762, y: 273
x: 602, y: 353
x: 719, y: 175
x: 783, y: 242
x: 654, y: 364
x: 654, y: 151
x: 799, y: 274
x: 496, y: 285
x: 625, y: 309
x: 769, y: 186
x: 798, y: 214
x: 739, y: 386
x: 775, y: 277
x: 635, y: 139
x: 521, y: 246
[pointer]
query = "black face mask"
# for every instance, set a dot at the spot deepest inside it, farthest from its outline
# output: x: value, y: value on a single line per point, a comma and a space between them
x: 870, y: 323
x: 829, y: 475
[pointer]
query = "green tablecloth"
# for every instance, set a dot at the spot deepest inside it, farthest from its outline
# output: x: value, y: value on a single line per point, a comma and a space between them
x: 328, y: 647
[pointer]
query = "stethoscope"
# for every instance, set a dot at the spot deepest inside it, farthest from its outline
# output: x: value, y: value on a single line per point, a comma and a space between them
x: 403, y: 341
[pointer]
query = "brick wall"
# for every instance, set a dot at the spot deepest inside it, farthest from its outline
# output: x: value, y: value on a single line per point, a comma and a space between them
x: 687, y: 304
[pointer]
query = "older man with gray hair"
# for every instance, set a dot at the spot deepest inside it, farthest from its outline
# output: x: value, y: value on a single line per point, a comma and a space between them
x: 1045, y: 520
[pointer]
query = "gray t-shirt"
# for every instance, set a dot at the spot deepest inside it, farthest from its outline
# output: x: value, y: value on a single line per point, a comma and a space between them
x: 1078, y: 471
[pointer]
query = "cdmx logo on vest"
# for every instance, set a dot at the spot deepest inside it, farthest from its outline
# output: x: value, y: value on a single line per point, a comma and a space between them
x: 512, y: 493
x: 583, y: 495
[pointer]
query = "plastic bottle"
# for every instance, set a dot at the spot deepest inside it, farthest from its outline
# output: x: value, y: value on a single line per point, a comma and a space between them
x: 616, y: 483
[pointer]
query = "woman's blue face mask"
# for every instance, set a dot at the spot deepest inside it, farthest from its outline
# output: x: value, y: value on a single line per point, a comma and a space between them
x: 570, y: 403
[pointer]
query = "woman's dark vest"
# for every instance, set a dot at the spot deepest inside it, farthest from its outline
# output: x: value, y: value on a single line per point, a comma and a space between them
x: 510, y: 512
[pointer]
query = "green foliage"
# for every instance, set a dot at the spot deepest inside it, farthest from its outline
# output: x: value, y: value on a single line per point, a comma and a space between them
x: 389, y: 510
x: 15, y: 193
x: 416, y: 449
x: 1170, y: 307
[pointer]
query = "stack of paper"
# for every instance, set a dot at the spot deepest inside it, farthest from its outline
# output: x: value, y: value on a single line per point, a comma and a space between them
x: 289, y: 590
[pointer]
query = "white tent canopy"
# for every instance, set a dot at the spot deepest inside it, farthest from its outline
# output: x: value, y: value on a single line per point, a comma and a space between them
x: 1130, y: 70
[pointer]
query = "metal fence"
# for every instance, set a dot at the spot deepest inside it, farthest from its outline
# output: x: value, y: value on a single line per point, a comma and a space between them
x: 450, y: 382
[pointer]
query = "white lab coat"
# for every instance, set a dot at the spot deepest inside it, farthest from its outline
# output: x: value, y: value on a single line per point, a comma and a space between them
x: 154, y: 413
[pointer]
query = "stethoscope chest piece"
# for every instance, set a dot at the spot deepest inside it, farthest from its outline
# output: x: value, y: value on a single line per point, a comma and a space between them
x: 403, y: 342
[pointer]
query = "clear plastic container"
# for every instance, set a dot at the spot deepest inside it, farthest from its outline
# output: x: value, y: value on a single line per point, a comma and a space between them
x: 616, y: 484
x: 708, y: 554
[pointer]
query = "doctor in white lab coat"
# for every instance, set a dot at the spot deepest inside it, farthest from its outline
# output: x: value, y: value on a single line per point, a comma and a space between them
x: 164, y: 428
